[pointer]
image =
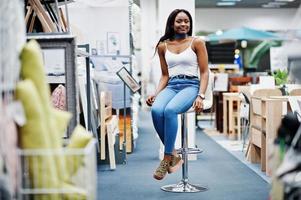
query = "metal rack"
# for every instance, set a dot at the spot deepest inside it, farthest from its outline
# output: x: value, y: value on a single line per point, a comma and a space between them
x: 92, y: 122
x: 34, y: 184
x: 86, y: 55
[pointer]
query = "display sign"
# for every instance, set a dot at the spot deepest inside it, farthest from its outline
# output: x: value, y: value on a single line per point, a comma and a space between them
x: 278, y: 58
x: 127, y: 78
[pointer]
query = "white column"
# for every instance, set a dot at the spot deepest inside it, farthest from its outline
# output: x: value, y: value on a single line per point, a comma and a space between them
x: 148, y: 41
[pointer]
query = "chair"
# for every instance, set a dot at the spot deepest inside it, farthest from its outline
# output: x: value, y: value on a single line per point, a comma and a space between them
x: 244, y: 117
x: 108, y: 127
x: 295, y: 92
x: 184, y: 186
x: 234, y: 82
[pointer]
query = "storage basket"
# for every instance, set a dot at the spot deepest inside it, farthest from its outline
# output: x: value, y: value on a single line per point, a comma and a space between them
x: 83, y: 180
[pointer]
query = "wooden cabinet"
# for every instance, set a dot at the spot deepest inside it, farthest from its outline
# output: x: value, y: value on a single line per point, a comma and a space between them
x: 266, y: 119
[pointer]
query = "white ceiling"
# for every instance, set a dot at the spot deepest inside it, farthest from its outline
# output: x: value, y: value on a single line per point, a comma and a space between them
x: 245, y: 3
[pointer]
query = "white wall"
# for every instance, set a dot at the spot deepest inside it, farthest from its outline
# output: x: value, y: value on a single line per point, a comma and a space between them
x: 264, y: 19
x: 90, y: 24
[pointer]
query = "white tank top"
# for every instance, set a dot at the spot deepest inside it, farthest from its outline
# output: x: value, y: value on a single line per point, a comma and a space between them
x: 182, y: 63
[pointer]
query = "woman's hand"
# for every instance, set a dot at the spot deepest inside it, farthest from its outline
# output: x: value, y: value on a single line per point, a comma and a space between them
x: 150, y: 100
x: 198, y: 104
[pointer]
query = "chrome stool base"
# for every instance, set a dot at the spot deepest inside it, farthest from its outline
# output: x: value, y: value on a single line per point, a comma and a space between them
x: 183, y: 188
x: 189, y: 150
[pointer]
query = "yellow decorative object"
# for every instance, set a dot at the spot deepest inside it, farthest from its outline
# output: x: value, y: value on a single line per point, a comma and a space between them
x: 34, y: 135
x: 74, y: 192
x: 62, y: 119
x: 32, y: 68
x: 79, y: 139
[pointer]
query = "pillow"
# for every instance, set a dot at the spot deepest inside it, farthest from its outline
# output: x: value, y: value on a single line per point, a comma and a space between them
x: 34, y: 135
x: 58, y: 97
x: 79, y: 139
x: 32, y: 68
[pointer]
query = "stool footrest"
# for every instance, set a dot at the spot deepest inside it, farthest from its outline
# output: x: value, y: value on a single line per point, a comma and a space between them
x: 183, y: 188
x: 189, y: 150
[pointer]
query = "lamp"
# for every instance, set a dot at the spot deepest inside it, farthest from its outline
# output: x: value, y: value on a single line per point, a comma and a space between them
x: 244, y: 44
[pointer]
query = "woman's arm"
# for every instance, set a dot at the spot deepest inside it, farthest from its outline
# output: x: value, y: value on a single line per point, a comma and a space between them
x: 164, y: 75
x: 164, y: 69
x: 202, y: 59
x: 201, y: 52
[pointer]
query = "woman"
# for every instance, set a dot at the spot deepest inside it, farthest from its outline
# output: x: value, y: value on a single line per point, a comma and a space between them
x: 182, y: 57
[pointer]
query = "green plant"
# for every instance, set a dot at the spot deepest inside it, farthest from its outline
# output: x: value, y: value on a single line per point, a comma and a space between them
x: 280, y: 76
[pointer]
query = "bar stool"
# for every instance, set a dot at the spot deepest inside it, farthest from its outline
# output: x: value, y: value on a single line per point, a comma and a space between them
x: 184, y: 186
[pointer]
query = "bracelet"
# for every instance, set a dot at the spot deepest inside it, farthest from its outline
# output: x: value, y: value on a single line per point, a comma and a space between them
x: 202, y: 96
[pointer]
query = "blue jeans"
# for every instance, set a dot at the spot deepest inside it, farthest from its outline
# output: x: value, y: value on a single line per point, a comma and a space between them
x: 176, y: 98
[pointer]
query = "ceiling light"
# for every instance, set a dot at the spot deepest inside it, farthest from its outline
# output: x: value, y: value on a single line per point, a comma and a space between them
x: 270, y: 6
x: 244, y: 44
x: 219, y: 32
x: 277, y: 3
x: 285, y: 0
x: 225, y: 3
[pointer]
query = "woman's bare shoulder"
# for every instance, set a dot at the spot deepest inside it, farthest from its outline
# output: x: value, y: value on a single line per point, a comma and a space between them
x: 199, y: 41
x: 198, y: 44
x: 161, y: 47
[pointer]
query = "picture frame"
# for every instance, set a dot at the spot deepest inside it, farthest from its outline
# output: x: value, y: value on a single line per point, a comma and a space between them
x: 113, y: 43
x: 128, y: 79
x: 67, y: 45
